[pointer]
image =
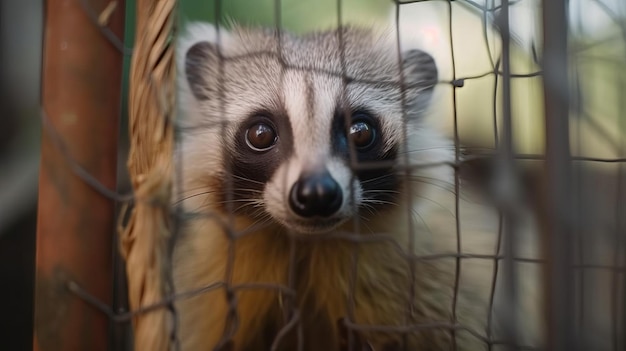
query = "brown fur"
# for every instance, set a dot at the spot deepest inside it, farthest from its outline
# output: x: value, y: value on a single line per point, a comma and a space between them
x: 322, y: 274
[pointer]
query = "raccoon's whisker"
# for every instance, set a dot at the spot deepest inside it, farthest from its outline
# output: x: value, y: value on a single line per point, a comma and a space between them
x: 240, y: 200
x: 246, y: 179
x: 437, y: 203
x: 374, y: 200
x: 438, y: 180
x: 369, y: 208
x: 376, y: 178
x: 261, y: 223
x: 421, y: 219
x: 364, y: 218
x: 379, y: 202
x: 257, y: 212
x: 369, y: 229
x: 447, y: 186
x: 375, y: 191
x: 193, y: 195
x: 447, y: 189
x: 204, y: 211
x: 444, y: 147
x: 258, y: 206
x: 242, y: 206
x: 260, y: 213
x: 191, y: 190
x: 247, y: 190
x: 246, y: 202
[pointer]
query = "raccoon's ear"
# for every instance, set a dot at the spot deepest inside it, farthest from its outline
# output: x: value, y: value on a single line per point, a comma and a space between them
x: 420, y: 75
x: 200, y: 59
x: 198, y: 56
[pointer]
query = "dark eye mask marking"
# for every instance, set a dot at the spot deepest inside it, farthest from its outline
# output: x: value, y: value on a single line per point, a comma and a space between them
x: 380, y: 184
x: 251, y: 169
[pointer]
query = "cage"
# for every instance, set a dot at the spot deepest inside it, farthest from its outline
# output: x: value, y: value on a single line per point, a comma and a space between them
x: 530, y: 225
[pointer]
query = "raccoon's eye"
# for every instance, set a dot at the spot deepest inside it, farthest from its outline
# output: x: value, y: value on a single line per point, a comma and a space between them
x: 261, y: 137
x: 362, y: 134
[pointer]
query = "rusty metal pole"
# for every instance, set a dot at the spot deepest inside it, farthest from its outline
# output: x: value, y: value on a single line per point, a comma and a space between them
x: 82, y: 74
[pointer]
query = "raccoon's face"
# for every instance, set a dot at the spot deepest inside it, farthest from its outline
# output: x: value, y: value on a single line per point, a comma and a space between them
x: 287, y: 129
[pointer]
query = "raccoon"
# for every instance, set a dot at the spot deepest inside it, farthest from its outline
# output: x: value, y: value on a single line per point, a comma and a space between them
x: 298, y: 167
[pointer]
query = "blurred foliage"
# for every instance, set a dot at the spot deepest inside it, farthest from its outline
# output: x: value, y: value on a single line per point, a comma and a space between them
x: 296, y: 15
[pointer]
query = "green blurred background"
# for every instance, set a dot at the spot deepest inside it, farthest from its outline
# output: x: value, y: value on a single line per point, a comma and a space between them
x: 296, y: 15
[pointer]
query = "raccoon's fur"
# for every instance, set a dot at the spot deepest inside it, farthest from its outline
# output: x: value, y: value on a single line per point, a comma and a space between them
x: 272, y: 196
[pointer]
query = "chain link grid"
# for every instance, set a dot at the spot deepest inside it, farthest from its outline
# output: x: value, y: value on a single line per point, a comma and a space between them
x: 288, y: 293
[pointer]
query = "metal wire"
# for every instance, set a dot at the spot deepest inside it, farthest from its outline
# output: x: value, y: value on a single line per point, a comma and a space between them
x: 502, y: 74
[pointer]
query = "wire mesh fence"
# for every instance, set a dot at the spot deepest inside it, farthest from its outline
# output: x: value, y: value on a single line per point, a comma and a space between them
x: 538, y: 264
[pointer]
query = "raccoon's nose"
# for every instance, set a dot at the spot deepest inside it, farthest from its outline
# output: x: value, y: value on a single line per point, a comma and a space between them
x: 315, y: 195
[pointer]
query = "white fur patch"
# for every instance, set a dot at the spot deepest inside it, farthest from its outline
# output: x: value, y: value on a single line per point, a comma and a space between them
x: 310, y: 99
